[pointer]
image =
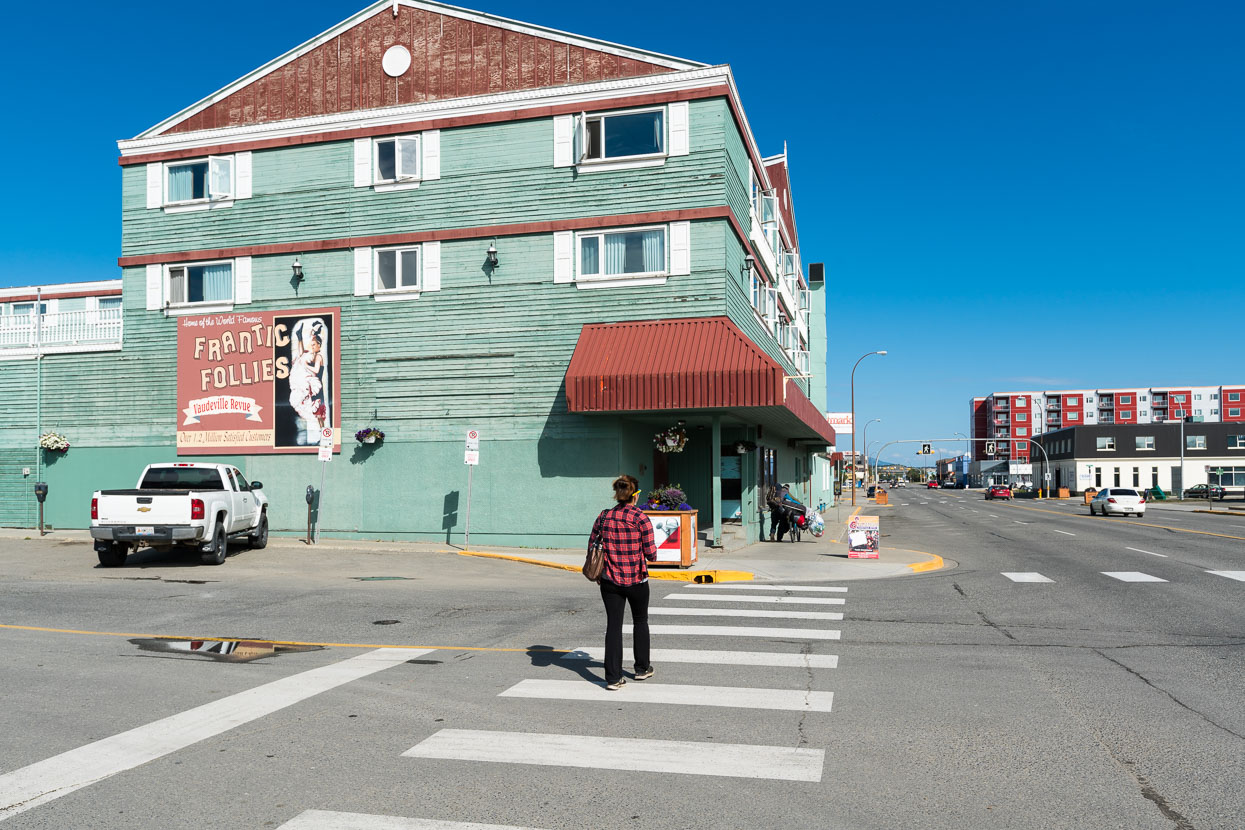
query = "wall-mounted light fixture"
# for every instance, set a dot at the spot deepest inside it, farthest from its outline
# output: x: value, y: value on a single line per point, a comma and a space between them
x: 749, y: 263
x: 298, y: 269
x: 492, y: 255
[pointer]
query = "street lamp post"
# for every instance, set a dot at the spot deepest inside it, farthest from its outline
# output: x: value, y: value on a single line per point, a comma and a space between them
x: 864, y: 439
x: 968, y: 457
x: 855, y: 460
x: 1180, y: 495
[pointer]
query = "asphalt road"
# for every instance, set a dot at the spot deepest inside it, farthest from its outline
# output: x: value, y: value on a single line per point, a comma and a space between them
x: 955, y: 699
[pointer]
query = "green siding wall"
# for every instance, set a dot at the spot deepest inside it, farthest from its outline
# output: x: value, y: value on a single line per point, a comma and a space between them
x: 493, y: 174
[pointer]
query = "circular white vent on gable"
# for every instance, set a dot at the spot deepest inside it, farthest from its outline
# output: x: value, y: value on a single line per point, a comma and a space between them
x: 396, y: 61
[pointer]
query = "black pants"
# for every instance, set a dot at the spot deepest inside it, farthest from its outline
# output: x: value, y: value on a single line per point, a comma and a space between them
x: 778, y: 519
x: 616, y: 598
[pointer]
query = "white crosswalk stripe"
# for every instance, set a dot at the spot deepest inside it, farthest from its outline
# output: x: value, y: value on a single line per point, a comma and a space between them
x: 1132, y: 576
x: 737, y: 697
x: 632, y: 754
x: 333, y: 820
x: 712, y: 657
x: 745, y: 612
x: 756, y: 586
x: 742, y: 631
x: 1237, y: 575
x: 1026, y: 577
x: 767, y: 599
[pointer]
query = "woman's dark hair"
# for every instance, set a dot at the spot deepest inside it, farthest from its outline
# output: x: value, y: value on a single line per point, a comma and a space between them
x: 625, y: 487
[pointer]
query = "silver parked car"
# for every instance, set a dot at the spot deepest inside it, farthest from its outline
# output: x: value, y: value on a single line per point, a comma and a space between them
x: 1122, y: 500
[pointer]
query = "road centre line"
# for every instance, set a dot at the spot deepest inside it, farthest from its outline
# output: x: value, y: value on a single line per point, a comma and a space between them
x: 1029, y: 576
x: 1064, y: 532
x: 715, y: 658
x: 744, y: 631
x: 767, y: 599
x: 744, y: 612
x: 334, y: 820
x: 282, y: 642
x: 731, y: 697
x: 1237, y: 575
x: 62, y: 774
x: 631, y: 754
x: 1152, y: 553
x: 1132, y: 576
x: 1135, y: 522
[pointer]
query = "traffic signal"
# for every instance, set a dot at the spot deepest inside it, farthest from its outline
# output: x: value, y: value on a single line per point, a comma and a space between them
x: 990, y: 448
x: 925, y: 449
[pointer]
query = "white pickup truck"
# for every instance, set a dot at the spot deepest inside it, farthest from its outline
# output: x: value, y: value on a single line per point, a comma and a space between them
x: 199, y: 505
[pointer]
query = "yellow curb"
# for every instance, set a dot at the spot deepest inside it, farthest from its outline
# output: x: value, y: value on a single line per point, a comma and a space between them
x: 677, y: 576
x: 932, y: 565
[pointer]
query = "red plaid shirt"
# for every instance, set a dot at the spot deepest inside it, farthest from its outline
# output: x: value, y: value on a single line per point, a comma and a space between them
x: 628, y: 538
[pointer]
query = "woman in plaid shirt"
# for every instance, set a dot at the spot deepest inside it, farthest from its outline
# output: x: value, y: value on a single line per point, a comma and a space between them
x: 627, y: 535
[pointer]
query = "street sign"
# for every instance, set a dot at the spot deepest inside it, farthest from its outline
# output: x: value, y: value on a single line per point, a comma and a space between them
x: 473, y: 439
x: 326, y: 432
x: 471, y: 457
x: 326, y: 451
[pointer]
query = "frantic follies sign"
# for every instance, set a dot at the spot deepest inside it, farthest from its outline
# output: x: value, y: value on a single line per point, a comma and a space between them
x: 258, y: 381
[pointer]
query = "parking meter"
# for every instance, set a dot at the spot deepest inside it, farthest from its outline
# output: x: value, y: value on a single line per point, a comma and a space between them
x: 41, y: 493
x: 311, y: 496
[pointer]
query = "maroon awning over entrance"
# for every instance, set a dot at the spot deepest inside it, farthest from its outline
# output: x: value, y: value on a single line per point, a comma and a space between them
x: 698, y: 363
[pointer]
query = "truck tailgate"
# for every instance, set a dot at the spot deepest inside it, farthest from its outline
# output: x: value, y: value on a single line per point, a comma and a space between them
x: 153, y: 508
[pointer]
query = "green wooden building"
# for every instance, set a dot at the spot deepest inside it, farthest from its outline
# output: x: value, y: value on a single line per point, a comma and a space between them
x: 427, y: 221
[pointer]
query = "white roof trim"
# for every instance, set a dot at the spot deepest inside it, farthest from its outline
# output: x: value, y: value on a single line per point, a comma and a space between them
x: 440, y: 8
x: 53, y: 290
x: 449, y: 108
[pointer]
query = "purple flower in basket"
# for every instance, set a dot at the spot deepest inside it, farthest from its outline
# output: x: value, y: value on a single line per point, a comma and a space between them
x: 685, y: 506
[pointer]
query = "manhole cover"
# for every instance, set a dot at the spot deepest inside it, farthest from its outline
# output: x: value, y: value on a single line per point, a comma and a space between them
x: 386, y: 622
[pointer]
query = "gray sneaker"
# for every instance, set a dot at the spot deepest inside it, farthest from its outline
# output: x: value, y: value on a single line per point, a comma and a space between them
x: 616, y: 685
x: 644, y: 675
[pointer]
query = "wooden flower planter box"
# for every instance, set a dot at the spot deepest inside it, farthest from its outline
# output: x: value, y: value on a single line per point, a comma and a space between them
x: 674, y: 531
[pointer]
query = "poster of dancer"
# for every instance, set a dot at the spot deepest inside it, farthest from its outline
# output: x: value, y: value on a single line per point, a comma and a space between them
x: 258, y: 382
x: 863, y: 535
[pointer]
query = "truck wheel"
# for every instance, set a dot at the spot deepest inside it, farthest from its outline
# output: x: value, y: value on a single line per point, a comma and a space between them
x: 114, y: 557
x: 259, y: 539
x: 220, y: 547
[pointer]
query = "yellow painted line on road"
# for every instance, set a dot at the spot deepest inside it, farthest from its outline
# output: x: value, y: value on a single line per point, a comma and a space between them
x: 1131, y: 522
x: 271, y: 642
x: 674, y: 576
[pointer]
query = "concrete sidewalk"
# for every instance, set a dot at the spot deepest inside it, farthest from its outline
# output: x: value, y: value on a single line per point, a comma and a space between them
x: 809, y: 560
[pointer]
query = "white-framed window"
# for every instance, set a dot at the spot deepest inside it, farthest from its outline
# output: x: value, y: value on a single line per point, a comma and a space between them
x: 1089, y: 400
x: 1197, y: 397
x: 1125, y: 399
x: 1145, y: 442
x: 1126, y: 414
x: 1022, y: 416
x: 625, y: 134
x: 1214, y: 412
x: 396, y: 269
x: 1214, y: 396
x: 1072, y: 416
x: 1234, y: 397
x: 631, y: 253
x: 1020, y: 402
x: 1022, y: 432
x: 200, y: 180
x: 397, y: 162
x: 1144, y: 398
x: 1178, y: 398
x: 1195, y: 442
x: 395, y: 159
x: 1234, y: 413
x: 199, y: 283
x: 756, y: 294
x: 1105, y: 443
x: 1072, y: 401
x: 1236, y: 442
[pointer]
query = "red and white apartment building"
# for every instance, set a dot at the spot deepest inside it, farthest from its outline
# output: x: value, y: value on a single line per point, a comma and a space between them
x: 1004, y: 417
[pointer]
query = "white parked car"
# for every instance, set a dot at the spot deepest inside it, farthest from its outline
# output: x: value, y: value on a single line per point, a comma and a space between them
x: 1122, y: 500
x: 202, y: 506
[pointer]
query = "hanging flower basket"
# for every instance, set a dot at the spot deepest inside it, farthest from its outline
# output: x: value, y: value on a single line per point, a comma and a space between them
x: 369, y: 435
x: 670, y: 440
x: 53, y: 442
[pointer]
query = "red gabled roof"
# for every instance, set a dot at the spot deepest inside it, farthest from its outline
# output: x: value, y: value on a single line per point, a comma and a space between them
x: 455, y: 53
x: 691, y: 363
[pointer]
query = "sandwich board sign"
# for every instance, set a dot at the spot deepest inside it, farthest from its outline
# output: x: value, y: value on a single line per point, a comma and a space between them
x: 863, y: 536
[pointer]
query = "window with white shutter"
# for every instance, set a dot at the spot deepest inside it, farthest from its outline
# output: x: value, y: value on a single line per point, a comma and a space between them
x: 625, y: 256
x: 199, y: 184
x: 621, y: 139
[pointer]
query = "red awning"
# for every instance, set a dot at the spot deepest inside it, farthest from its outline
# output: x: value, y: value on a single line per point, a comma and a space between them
x: 698, y: 363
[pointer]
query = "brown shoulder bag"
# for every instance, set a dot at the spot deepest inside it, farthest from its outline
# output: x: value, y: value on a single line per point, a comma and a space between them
x: 594, y: 562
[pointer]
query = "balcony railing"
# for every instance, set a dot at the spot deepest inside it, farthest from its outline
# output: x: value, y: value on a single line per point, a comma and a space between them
x: 61, y: 330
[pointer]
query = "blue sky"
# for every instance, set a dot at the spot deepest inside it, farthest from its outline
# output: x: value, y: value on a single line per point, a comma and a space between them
x: 1007, y: 196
